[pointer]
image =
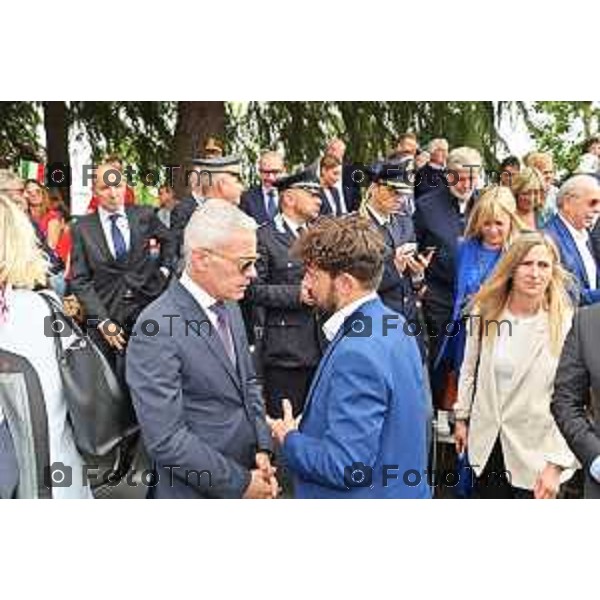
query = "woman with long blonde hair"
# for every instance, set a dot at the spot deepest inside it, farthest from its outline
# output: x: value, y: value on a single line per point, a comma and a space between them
x: 24, y: 336
x: 503, y: 419
x: 493, y: 223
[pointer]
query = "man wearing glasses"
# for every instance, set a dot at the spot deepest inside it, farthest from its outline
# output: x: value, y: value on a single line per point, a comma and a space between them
x: 262, y: 203
x: 193, y: 383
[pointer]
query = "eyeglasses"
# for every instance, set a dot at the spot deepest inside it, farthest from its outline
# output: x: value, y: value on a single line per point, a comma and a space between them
x: 243, y: 263
x: 271, y: 171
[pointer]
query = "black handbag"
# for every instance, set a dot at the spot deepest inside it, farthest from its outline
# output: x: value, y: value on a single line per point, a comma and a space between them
x: 99, y: 410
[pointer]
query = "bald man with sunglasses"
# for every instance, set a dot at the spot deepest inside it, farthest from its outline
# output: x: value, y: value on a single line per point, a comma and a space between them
x: 192, y: 381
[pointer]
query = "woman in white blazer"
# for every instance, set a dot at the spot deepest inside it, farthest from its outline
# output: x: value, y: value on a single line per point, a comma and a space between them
x: 512, y: 351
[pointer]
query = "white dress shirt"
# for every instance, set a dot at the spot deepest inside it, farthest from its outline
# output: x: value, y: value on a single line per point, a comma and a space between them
x: 122, y: 224
x: 581, y: 239
x: 201, y: 296
x: 333, y: 324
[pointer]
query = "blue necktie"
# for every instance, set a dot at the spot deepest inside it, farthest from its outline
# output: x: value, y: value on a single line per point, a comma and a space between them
x: 271, y: 203
x: 118, y: 239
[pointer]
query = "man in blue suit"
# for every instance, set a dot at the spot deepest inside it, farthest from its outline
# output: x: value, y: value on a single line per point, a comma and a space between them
x: 364, y: 430
x: 190, y: 372
x: 578, y: 206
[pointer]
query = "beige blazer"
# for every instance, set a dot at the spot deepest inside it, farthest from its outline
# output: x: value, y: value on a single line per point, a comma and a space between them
x: 527, y: 431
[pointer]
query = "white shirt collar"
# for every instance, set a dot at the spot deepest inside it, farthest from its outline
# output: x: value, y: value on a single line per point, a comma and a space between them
x: 105, y: 214
x: 292, y: 224
x: 580, y: 235
x: 381, y: 220
x: 333, y: 324
x: 202, y: 297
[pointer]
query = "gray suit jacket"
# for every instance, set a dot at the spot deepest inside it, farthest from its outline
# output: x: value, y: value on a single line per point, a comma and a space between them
x: 197, y: 411
x: 576, y: 410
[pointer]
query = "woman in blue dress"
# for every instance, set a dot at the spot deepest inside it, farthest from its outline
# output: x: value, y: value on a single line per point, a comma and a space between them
x: 492, y: 225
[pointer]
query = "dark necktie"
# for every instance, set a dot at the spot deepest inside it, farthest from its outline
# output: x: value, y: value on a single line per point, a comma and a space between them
x: 336, y: 200
x: 224, y: 330
x: 118, y: 239
x: 271, y: 203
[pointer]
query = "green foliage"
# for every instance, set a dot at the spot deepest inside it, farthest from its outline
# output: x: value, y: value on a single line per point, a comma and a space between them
x: 560, y: 128
x: 19, y: 122
x: 140, y: 132
x: 369, y: 128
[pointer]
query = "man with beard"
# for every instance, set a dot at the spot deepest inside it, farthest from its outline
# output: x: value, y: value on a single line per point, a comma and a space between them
x: 364, y: 427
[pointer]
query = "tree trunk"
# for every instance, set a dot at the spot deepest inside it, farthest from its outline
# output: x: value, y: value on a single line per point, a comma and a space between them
x: 196, y: 122
x: 57, y: 139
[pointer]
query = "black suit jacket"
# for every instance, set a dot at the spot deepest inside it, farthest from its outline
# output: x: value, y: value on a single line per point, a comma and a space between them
x: 428, y: 178
x: 438, y: 223
x: 117, y: 290
x: 576, y: 411
x: 253, y: 204
x: 291, y: 332
x: 180, y: 216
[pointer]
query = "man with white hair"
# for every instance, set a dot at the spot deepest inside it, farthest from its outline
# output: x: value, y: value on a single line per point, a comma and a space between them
x: 432, y: 174
x: 439, y: 222
x: 190, y: 372
x: 210, y: 178
x: 578, y: 207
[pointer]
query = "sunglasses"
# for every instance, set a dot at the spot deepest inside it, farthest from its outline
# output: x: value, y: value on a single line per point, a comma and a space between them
x: 243, y: 263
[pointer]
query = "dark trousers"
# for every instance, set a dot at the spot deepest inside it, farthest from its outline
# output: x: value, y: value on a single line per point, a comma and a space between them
x: 292, y: 384
x: 494, y: 481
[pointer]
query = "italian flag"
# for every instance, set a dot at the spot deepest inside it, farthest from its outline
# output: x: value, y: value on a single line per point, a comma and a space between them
x: 32, y: 170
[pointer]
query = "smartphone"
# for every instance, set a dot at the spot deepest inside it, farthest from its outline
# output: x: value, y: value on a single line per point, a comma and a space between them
x: 408, y: 248
x: 429, y: 249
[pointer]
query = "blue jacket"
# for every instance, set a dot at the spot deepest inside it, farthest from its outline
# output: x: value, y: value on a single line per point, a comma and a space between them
x: 474, y: 266
x: 368, y: 408
x: 572, y: 262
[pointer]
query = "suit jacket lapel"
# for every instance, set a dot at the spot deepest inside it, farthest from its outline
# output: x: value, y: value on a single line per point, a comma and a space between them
x: 209, y: 335
x: 571, y: 250
x: 539, y: 343
x: 97, y: 234
x: 134, y: 231
x: 315, y: 381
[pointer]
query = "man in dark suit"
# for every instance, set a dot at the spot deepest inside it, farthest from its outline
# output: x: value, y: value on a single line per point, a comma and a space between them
x: 193, y: 384
x: 432, y: 175
x: 365, y: 426
x: 291, y: 344
x: 122, y: 259
x: 439, y: 223
x: 578, y: 207
x: 576, y: 399
x: 216, y: 177
x: 262, y: 202
x: 333, y: 202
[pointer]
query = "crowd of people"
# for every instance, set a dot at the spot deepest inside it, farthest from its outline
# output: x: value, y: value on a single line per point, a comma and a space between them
x: 317, y: 335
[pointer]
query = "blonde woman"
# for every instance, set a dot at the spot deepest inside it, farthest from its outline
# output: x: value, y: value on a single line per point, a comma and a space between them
x: 24, y: 339
x: 529, y: 191
x: 503, y: 411
x: 491, y: 226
